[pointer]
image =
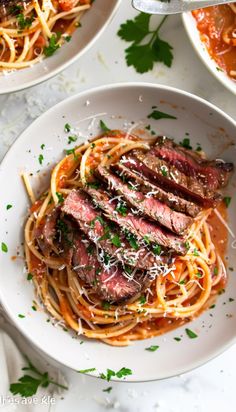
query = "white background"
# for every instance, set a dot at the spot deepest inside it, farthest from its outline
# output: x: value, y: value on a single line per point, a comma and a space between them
x: 211, y: 387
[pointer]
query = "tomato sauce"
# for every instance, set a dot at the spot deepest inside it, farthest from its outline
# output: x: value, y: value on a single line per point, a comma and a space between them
x: 217, y: 27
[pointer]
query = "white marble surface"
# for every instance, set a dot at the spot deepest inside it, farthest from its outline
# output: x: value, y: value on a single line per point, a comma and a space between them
x: 211, y: 387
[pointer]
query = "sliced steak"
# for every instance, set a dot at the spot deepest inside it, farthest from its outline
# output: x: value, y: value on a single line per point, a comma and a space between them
x: 45, y: 233
x: 213, y: 174
x: 142, y: 228
x: 111, y: 284
x: 138, y: 182
x: 170, y: 178
x: 114, y: 243
x: 148, y: 206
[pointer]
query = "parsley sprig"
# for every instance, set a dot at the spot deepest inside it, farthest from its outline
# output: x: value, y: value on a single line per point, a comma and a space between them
x: 120, y: 374
x: 143, y: 56
x: 28, y: 385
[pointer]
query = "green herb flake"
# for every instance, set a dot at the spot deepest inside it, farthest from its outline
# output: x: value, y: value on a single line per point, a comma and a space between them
x: 71, y: 139
x: 34, y: 308
x: 215, y: 271
x: 40, y: 159
x: 157, y: 115
x: 24, y: 22
x: 29, y: 276
x: 123, y: 372
x: 67, y: 128
x: 8, y: 207
x: 108, y: 390
x: 104, y: 127
x: 164, y: 171
x: 191, y: 334
x: 227, y: 200
x: 156, y: 250
x: 106, y: 305
x: 86, y: 370
x: 4, y: 247
x: 186, y: 143
x: 68, y: 38
x: 195, y: 252
x: 42, y: 146
x: 152, y: 348
x: 212, y: 306
x: 116, y: 240
x: 121, y: 209
x: 182, y: 282
x: 231, y: 300
x: 177, y: 339
x: 142, y: 300
x: 60, y: 197
x: 21, y: 316
x: 132, y: 240
x: 52, y: 47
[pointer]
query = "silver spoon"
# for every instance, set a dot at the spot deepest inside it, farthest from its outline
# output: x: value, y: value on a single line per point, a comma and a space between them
x: 174, y: 6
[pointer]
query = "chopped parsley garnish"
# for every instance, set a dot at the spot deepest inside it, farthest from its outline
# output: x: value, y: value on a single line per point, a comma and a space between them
x: 34, y: 308
x: 71, y: 151
x: 52, y: 47
x: 21, y: 316
x: 199, y: 275
x: 121, y: 209
x: 191, y: 334
x: 40, y: 159
x: 156, y: 249
x: 90, y: 249
x: 86, y: 370
x: 93, y: 185
x: 212, y: 306
x: 146, y: 239
x: 4, y: 247
x: 28, y: 385
x: 97, y: 218
x: 132, y: 240
x: 182, y: 282
x: 67, y: 127
x: 8, y: 207
x: 106, y: 305
x: 142, y: 300
x: 142, y: 55
x: 164, y: 171
x: 42, y: 146
x: 29, y: 276
x: 104, y: 127
x: 215, y: 271
x: 15, y: 9
x: 152, y: 348
x: 60, y: 197
x: 24, y: 22
x: 71, y: 139
x: 195, y: 252
x: 187, y: 245
x: 68, y: 38
x: 198, y: 148
x: 108, y: 390
x: 186, y: 143
x: 92, y: 145
x: 120, y: 374
x: 231, y: 300
x: 106, y: 259
x: 221, y: 291
x: 227, y: 200
x: 157, y: 115
x: 116, y: 240
x: 177, y: 339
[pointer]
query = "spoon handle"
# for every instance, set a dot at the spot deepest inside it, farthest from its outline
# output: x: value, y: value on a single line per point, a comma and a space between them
x: 174, y: 6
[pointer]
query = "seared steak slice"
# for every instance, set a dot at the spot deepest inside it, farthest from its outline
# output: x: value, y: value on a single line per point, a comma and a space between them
x: 142, y: 228
x: 111, y: 284
x: 213, y: 174
x: 45, y: 233
x: 172, y: 179
x: 115, y: 244
x: 149, y: 206
x: 138, y: 182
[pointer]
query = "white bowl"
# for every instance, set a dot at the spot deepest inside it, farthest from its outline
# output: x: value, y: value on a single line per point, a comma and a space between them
x: 117, y: 105
x: 194, y: 35
x: 93, y: 23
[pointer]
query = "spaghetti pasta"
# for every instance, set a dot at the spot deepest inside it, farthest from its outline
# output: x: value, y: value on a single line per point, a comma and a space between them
x: 32, y: 30
x: 177, y: 293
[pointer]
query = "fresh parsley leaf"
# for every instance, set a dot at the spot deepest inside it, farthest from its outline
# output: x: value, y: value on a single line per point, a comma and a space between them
x: 177, y: 339
x: 67, y: 128
x: 164, y: 171
x: 152, y: 348
x: 42, y: 146
x: 71, y: 139
x: 106, y: 305
x: 29, y: 276
x: 121, y: 209
x: 186, y: 143
x: 191, y: 334
x: 68, y: 38
x: 215, y: 271
x: 132, y: 240
x: 108, y: 375
x: 52, y: 46
x: 104, y: 127
x: 4, y: 247
x: 195, y: 252
x: 135, y: 30
x: 157, y: 115
x: 120, y: 374
x: 24, y: 22
x: 182, y: 282
x: 123, y: 372
x: 227, y: 200
x: 156, y: 249
x: 21, y: 316
x: 8, y: 207
x: 143, y: 56
x: 28, y: 385
x: 108, y: 390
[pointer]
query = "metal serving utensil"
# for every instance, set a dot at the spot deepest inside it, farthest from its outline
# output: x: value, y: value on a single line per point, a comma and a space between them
x: 174, y: 6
